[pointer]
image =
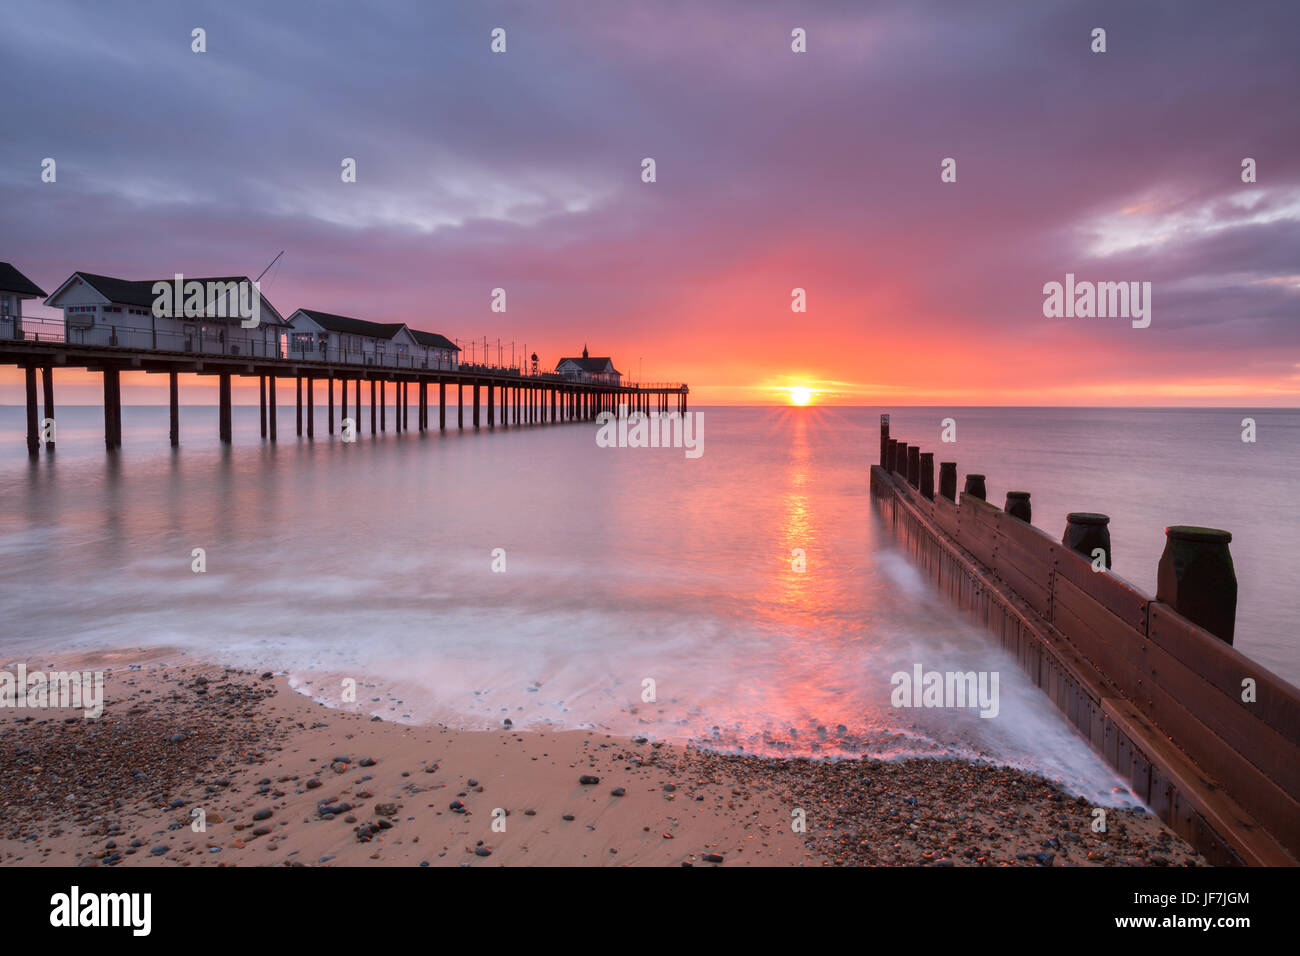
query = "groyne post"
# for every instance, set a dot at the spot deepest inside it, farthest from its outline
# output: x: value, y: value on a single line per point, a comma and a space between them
x: 975, y: 486
x: 1087, y: 532
x: 914, y: 466
x: 1017, y: 505
x: 927, y: 475
x: 1196, y: 578
x: 884, y: 441
x: 948, y: 480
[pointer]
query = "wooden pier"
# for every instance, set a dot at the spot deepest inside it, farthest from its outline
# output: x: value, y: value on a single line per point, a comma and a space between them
x: 1209, y: 739
x: 511, y: 396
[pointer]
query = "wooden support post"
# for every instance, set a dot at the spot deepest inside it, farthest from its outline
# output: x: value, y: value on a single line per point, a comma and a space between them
x: 298, y: 383
x: 914, y: 466
x: 552, y: 391
x: 343, y: 411
x: 406, y: 406
x: 272, y: 407
x: 33, y: 416
x: 1086, y: 532
x: 948, y: 480
x: 261, y: 390
x: 1018, y: 505
x: 975, y: 487
x: 117, y: 408
x: 460, y: 405
x: 476, y: 401
x: 47, y: 382
x: 356, y: 393
x: 927, y: 475
x: 1196, y: 578
x: 383, y: 405
x: 372, y: 406
x: 492, y: 414
x: 223, y: 400
x: 331, y: 404
x: 311, y: 407
x: 442, y: 406
x: 173, y: 390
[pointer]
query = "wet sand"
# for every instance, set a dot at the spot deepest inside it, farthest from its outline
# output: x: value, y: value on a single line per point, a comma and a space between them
x: 283, y: 780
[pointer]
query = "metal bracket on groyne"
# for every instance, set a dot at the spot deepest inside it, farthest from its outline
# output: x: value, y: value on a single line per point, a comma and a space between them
x: 1163, y: 700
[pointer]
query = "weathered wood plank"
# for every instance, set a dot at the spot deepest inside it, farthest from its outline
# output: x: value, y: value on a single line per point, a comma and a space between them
x: 1277, y: 703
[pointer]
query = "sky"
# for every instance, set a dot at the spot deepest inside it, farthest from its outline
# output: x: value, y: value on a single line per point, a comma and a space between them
x: 775, y: 170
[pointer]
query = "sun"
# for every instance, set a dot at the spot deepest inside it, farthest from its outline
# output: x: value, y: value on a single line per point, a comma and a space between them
x: 799, y: 395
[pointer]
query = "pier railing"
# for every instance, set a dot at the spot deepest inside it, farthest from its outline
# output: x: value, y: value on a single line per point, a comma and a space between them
x: 278, y: 342
x: 1206, y: 736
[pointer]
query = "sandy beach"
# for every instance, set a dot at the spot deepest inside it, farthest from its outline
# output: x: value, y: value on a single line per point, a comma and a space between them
x: 283, y: 780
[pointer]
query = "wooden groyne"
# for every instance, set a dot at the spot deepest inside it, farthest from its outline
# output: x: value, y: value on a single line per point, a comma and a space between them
x: 1209, y: 739
x: 511, y: 396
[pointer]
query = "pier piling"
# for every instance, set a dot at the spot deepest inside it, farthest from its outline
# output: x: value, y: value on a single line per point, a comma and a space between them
x: 298, y: 382
x: 33, y: 425
x: 112, y: 409
x: 272, y: 406
x: 47, y: 383
x: 223, y: 402
x: 174, y: 401
x: 311, y: 407
x: 261, y: 389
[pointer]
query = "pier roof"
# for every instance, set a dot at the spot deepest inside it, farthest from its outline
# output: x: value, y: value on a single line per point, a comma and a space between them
x: 433, y: 340
x: 589, y: 364
x: 139, y: 292
x: 350, y: 326
x: 11, y: 280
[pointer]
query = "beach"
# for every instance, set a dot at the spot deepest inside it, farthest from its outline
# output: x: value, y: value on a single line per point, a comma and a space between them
x: 282, y: 780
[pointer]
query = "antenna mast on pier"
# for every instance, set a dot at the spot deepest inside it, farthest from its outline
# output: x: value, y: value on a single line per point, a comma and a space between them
x: 268, y: 266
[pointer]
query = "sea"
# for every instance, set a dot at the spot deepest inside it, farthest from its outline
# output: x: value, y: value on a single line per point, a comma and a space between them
x: 747, y: 600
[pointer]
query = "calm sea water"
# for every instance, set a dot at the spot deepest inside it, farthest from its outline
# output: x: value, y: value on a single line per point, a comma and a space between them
x: 374, y: 561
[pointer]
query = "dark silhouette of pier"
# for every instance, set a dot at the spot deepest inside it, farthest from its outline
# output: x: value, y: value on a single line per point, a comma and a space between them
x: 503, y: 396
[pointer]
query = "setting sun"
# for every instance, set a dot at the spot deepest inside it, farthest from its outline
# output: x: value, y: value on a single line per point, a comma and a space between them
x: 800, y: 395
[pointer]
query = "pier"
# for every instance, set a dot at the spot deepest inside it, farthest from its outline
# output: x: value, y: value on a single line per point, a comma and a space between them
x: 1209, y: 739
x: 498, y: 397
